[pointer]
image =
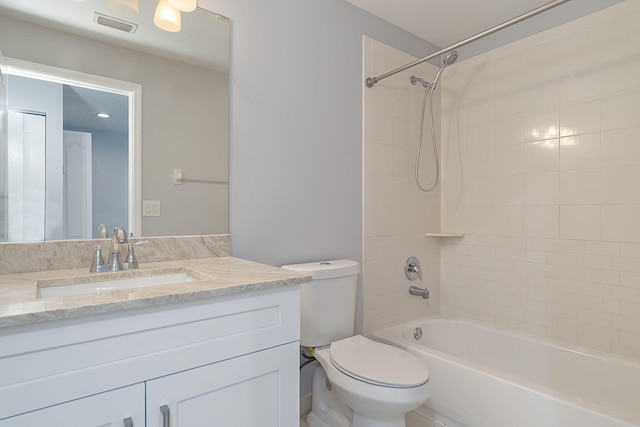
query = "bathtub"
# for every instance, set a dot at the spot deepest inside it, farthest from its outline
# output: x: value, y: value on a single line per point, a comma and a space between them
x: 488, y: 377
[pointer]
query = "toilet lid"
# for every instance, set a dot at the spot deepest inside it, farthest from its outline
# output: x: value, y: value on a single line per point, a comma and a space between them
x: 378, y: 363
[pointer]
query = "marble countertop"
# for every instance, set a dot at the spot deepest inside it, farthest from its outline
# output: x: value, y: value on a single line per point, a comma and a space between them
x: 20, y: 301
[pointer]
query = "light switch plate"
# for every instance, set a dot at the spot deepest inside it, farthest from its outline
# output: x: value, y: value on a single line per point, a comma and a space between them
x: 151, y: 208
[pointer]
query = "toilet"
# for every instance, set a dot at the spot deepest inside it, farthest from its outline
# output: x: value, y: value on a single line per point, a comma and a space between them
x: 358, y: 382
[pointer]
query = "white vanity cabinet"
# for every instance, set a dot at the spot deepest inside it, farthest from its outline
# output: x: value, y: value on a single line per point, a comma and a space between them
x: 229, y: 360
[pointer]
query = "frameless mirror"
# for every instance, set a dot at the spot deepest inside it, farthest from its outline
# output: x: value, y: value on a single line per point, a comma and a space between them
x: 166, y: 172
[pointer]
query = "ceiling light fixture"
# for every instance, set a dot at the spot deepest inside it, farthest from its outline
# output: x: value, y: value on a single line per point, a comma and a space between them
x: 167, y: 17
x: 103, y: 115
x: 125, y: 7
x: 184, y: 5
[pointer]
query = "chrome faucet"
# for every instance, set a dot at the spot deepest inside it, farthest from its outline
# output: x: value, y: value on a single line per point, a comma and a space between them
x: 97, y: 263
x: 118, y: 238
x: 421, y: 292
x: 412, y: 269
x: 132, y: 261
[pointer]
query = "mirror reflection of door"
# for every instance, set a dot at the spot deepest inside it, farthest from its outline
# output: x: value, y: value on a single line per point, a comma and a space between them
x: 84, y: 167
x: 77, y: 185
x: 26, y: 176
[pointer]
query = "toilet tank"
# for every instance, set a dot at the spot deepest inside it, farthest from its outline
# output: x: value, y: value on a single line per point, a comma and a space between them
x: 328, y: 302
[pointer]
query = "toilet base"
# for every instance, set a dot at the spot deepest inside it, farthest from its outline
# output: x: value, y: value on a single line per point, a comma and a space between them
x: 327, y: 410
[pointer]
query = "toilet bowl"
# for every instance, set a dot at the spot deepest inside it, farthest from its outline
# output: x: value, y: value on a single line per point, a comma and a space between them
x: 379, y: 383
x: 359, y: 382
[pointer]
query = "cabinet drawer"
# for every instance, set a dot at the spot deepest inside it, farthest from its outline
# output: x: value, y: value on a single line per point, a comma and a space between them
x: 105, y: 409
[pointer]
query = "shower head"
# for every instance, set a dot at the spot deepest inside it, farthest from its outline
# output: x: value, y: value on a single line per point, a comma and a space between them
x: 450, y: 58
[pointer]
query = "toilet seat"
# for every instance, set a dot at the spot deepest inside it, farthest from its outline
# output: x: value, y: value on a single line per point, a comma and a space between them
x: 376, y: 363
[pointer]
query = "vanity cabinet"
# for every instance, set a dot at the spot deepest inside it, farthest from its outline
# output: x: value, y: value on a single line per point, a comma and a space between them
x: 222, y: 361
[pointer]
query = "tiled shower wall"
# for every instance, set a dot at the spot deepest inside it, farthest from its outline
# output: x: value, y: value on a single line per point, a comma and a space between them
x: 396, y: 213
x: 542, y: 173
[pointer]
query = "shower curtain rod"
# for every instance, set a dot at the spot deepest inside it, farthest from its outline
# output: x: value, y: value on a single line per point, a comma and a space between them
x: 370, y: 81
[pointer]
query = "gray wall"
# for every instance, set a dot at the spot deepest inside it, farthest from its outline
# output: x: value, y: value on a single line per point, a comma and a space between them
x: 296, y: 126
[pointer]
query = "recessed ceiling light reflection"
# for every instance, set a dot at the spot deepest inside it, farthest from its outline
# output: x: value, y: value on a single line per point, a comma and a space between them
x: 104, y: 115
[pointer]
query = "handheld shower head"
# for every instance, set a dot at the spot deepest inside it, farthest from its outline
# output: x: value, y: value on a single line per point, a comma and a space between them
x: 448, y: 60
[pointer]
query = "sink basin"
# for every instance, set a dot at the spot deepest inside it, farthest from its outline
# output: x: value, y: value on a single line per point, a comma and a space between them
x: 127, y: 280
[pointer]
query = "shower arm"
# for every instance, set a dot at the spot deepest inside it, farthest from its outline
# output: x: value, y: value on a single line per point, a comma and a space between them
x: 370, y: 81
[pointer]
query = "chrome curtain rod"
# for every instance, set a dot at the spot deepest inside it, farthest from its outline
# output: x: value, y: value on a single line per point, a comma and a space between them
x: 370, y: 81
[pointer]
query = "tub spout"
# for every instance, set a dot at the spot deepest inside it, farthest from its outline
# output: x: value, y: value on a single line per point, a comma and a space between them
x: 421, y: 292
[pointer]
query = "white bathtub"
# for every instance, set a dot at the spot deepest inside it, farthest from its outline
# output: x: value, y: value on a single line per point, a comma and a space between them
x: 489, y: 377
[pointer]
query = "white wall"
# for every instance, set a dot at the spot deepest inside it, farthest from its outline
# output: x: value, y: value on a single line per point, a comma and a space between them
x: 543, y: 165
x: 396, y: 214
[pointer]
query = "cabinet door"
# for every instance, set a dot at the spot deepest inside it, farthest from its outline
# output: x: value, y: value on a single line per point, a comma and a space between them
x: 258, y: 389
x: 123, y: 407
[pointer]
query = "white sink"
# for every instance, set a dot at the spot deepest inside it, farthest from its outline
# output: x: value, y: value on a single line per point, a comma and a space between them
x: 97, y: 284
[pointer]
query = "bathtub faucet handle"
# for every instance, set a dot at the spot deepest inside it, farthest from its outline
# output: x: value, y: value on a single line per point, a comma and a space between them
x: 412, y: 269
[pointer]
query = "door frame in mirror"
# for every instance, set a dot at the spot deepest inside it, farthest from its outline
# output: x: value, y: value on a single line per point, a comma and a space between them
x: 89, y: 81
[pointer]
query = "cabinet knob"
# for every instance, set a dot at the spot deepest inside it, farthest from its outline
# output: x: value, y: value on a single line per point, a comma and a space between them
x: 128, y: 422
x: 166, y: 416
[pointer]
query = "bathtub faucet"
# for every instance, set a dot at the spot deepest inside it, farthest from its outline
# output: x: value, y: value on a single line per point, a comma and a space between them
x: 421, y: 292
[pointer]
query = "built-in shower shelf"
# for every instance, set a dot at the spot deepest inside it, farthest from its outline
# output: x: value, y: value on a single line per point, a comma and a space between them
x: 444, y: 234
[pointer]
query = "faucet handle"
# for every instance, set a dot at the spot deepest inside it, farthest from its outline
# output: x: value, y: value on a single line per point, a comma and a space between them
x: 132, y: 261
x: 412, y: 269
x: 97, y: 264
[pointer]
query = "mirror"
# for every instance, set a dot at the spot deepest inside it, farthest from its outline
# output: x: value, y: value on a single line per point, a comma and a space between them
x: 183, y: 100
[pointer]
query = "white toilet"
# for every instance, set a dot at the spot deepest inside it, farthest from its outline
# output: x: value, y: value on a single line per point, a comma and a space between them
x: 359, y: 382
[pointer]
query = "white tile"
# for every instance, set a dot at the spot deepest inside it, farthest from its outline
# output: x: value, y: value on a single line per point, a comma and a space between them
x: 630, y: 309
x: 601, y: 332
x: 620, y: 147
x: 541, y: 156
x: 581, y: 151
x: 541, y: 189
x: 506, y: 130
x: 541, y: 221
x: 621, y: 185
x: 620, y: 110
x: 581, y: 117
x: 621, y: 223
x: 580, y: 222
x: 541, y: 124
x: 506, y: 160
x: 580, y: 84
x: 602, y: 248
x: 581, y: 187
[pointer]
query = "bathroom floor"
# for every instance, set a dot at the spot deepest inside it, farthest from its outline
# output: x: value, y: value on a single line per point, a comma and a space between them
x: 414, y: 419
